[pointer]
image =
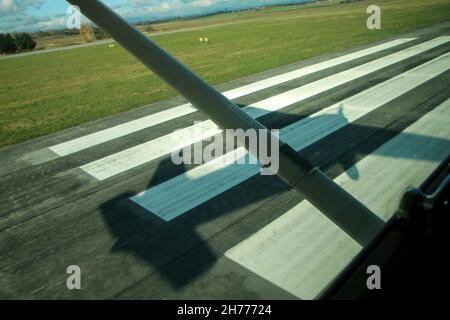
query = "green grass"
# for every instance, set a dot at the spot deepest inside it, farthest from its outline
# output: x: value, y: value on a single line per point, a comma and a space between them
x: 46, y: 93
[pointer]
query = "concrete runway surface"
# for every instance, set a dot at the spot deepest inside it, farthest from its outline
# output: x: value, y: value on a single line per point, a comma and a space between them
x: 105, y: 195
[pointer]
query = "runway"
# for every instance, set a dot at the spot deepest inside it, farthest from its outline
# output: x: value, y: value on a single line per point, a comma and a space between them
x: 106, y: 196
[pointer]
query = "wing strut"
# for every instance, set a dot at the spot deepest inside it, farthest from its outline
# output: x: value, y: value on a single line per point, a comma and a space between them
x: 332, y: 200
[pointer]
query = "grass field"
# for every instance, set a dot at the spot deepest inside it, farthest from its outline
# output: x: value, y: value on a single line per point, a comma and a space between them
x: 56, y: 41
x: 45, y: 93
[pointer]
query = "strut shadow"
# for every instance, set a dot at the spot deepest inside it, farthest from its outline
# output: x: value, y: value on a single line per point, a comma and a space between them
x: 179, y: 250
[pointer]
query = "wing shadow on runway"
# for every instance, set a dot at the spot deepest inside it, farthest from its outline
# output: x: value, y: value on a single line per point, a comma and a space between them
x: 180, y: 250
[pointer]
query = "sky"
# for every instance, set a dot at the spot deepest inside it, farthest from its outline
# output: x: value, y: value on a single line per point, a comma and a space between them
x: 33, y: 15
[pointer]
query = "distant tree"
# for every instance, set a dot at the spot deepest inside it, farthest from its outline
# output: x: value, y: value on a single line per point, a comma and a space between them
x: 87, y: 33
x: 7, y: 44
x: 24, y: 41
x: 2, y: 43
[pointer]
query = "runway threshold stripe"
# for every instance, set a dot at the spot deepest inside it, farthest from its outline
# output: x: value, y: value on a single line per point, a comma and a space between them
x: 87, y: 141
x: 302, y: 251
x: 186, y: 191
x: 117, y: 163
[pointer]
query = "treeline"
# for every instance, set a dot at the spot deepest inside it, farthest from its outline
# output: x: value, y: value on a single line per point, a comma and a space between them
x: 56, y: 32
x: 16, y: 42
x: 99, y: 33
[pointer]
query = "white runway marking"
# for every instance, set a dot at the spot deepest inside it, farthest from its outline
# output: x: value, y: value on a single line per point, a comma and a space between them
x: 84, y: 142
x: 117, y: 163
x: 302, y: 251
x: 186, y: 191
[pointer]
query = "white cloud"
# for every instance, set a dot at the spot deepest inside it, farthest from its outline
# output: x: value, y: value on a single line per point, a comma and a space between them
x: 11, y: 7
x: 17, y: 15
